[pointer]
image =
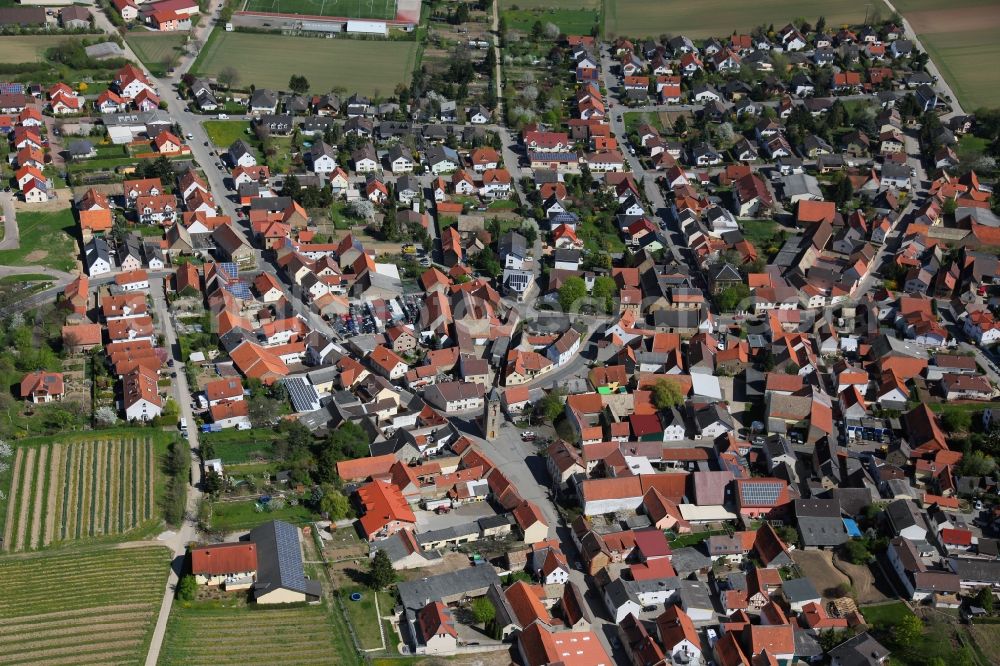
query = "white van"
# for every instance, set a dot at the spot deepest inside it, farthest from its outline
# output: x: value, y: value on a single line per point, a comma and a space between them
x: 183, y: 425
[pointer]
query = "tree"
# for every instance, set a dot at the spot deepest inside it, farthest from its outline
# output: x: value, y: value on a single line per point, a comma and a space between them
x: 381, y: 575
x: 730, y: 297
x: 229, y: 76
x: 186, y: 588
x: 298, y: 84
x: 857, y: 551
x: 667, y: 394
x: 349, y: 440
x: 788, y: 534
x: 211, y: 483
x: 977, y: 463
x: 334, y: 504
x: 483, y: 610
x: 573, y: 290
x: 956, y: 420
x: 907, y: 631
x: 984, y: 599
x: 550, y: 406
x: 605, y: 289
x: 537, y: 31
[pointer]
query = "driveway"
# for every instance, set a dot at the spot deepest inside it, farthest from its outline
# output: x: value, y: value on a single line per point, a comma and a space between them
x: 11, y: 234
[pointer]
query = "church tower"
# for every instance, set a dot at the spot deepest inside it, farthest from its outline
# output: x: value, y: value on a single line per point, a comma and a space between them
x: 491, y: 414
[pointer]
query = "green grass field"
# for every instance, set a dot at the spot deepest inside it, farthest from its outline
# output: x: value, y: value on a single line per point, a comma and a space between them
x: 63, y: 489
x: 906, y: 6
x: 94, y: 606
x: 959, y: 57
x: 27, y: 48
x: 306, y: 635
x: 47, y: 239
x: 890, y: 613
x: 718, y: 18
x: 570, y: 21
x: 550, y: 4
x: 241, y: 515
x: 367, y: 67
x: 363, y: 9
x: 153, y: 48
x: 224, y: 132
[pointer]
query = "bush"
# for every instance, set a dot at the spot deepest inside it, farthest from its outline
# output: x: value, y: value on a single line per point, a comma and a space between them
x: 186, y: 588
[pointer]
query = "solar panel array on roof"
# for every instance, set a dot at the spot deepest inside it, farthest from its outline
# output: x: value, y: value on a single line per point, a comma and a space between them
x: 230, y: 269
x: 303, y: 395
x: 239, y: 290
x: 764, y: 493
x: 11, y: 88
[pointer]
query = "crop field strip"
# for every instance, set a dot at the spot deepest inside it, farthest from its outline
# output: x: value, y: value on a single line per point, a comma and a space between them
x: 107, y: 618
x: 219, y: 636
x: 73, y: 490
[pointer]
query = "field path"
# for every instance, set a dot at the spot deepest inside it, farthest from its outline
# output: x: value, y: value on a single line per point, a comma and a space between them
x: 40, y: 498
x: 8, y: 526
x: 27, y: 476
x: 55, y: 488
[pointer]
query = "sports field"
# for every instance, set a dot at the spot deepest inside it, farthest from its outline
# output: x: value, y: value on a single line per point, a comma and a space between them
x: 718, y: 18
x: 362, y: 9
x: 67, y: 490
x: 94, y: 606
x: 267, y: 61
x: 26, y: 48
x: 306, y: 635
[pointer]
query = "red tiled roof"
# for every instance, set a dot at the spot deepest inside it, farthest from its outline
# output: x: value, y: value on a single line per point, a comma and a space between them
x: 224, y: 558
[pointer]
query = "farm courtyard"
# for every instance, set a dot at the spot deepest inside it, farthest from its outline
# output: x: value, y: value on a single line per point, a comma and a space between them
x: 269, y: 60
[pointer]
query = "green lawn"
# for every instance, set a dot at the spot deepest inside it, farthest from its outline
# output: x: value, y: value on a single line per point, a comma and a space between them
x: 240, y: 446
x: 224, y: 132
x: 889, y: 613
x: 570, y: 21
x: 693, y: 539
x: 551, y: 4
x: 718, y: 18
x: 153, y: 48
x: 27, y: 48
x: 267, y: 60
x: 362, y: 615
x: 762, y: 233
x: 634, y: 119
x: 25, y: 277
x: 241, y: 515
x: 382, y: 9
x: 47, y: 239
